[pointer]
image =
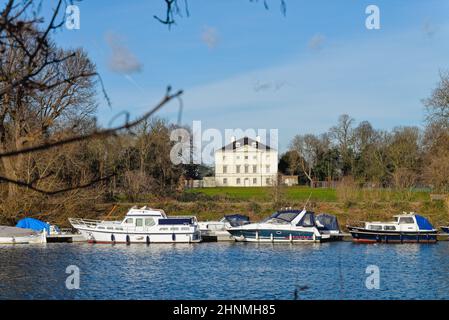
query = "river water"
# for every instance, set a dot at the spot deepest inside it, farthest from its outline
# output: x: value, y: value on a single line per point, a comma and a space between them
x: 226, y: 271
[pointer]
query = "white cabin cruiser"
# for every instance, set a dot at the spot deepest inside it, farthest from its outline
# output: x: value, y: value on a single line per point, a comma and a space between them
x: 406, y: 228
x: 218, y: 230
x: 285, y: 226
x: 144, y: 225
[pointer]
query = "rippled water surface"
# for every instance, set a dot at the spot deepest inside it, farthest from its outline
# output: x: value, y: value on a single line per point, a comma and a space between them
x: 225, y: 271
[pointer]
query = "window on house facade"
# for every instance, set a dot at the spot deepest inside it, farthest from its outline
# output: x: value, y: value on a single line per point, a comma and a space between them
x: 224, y: 158
x: 246, y: 157
x: 246, y: 169
x: 237, y: 145
x: 225, y: 169
x: 254, y: 169
x: 254, y: 180
x: 225, y: 181
x: 254, y: 144
x: 268, y: 181
x: 268, y: 156
x: 238, y: 157
x: 237, y: 169
x: 267, y: 169
x: 254, y: 157
x: 238, y: 180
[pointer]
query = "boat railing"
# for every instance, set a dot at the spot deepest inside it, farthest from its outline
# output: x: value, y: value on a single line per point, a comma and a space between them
x: 182, y: 217
x: 89, y: 222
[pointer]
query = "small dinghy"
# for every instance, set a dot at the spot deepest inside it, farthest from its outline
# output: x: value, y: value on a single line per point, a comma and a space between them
x: 218, y: 230
x: 144, y: 225
x: 13, y: 235
x: 284, y: 226
x: 406, y: 228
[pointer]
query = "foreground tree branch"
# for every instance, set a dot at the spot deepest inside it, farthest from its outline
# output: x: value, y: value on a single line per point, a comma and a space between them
x: 100, y: 134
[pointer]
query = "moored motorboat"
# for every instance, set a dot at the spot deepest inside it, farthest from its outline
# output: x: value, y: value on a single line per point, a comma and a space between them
x: 13, y: 235
x: 406, y: 228
x: 283, y: 226
x: 445, y: 229
x: 144, y: 225
x: 218, y: 230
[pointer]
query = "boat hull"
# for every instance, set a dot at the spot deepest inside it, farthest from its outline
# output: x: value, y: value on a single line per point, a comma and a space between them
x: 361, y: 235
x: 33, y: 239
x: 246, y: 235
x: 95, y: 236
x: 445, y: 229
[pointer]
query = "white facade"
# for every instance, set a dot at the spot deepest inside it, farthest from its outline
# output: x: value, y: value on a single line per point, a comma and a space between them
x: 246, y: 163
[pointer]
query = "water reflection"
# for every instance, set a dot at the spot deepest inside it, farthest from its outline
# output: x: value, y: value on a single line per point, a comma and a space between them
x: 225, y: 271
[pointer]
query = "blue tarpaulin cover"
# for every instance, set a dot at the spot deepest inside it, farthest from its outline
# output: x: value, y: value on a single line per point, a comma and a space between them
x: 423, y: 223
x: 33, y: 224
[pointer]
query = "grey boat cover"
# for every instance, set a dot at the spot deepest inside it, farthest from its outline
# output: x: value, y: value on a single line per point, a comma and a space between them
x: 15, y: 232
x: 329, y: 221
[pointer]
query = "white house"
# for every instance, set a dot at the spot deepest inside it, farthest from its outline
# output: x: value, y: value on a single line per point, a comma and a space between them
x: 246, y: 163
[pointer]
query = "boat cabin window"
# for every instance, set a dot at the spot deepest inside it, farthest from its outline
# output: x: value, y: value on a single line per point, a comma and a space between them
x: 375, y: 227
x: 389, y: 228
x: 406, y: 220
x: 139, y: 222
x: 129, y: 220
x: 308, y: 220
x: 149, y: 222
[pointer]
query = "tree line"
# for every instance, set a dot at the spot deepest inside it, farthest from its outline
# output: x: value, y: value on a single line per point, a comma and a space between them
x: 404, y: 157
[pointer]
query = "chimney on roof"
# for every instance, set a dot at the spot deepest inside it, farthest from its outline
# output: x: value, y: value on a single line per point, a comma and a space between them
x: 233, y: 139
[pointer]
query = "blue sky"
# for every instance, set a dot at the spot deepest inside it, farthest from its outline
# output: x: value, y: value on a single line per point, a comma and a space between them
x: 242, y: 66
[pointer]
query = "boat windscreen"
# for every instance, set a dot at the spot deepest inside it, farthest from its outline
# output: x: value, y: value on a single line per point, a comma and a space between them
x: 285, y: 215
x: 236, y: 220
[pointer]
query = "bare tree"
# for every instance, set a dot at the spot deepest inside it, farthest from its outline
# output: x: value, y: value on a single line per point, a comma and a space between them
x: 437, y: 105
x: 41, y: 87
x: 307, y: 148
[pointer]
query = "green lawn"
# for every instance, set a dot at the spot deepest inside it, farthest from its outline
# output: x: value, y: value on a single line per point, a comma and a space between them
x: 266, y: 194
x: 302, y: 193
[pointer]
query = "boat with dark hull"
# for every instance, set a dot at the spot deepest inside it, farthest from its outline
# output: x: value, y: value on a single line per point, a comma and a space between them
x: 406, y: 228
x: 445, y: 229
x: 285, y: 226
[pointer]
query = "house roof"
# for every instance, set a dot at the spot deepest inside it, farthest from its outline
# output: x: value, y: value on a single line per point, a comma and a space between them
x: 244, y: 142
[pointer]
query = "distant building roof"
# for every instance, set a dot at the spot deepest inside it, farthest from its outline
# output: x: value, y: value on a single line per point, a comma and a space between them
x: 244, y: 142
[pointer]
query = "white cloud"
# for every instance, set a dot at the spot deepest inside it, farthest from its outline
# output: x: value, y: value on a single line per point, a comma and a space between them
x: 316, y: 42
x: 209, y: 36
x: 122, y: 60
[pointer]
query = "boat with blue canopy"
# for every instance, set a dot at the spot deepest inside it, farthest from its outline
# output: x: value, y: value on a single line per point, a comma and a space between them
x: 406, y: 228
x: 287, y: 226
